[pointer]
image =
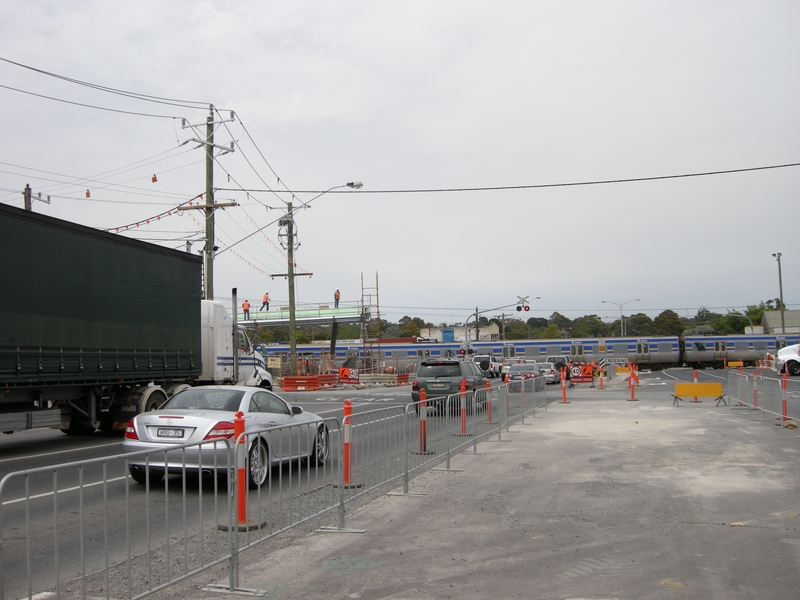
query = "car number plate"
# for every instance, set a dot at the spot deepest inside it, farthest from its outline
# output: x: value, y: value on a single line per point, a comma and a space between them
x: 438, y: 385
x: 170, y: 433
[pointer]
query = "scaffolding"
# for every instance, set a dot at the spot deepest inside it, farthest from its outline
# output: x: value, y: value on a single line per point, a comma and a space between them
x: 371, y: 328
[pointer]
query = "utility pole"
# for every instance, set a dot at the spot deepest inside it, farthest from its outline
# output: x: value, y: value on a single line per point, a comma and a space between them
x: 27, y: 195
x: 289, y: 222
x: 209, y: 253
x: 778, y: 255
x: 477, y: 326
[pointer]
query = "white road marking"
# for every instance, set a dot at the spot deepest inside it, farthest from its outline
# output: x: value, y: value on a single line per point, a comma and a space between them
x: 59, y: 452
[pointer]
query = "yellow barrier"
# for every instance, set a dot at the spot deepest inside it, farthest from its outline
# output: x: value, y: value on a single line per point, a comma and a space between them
x: 702, y: 390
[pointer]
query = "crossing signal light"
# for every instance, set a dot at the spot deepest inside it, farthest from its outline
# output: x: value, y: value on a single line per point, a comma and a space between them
x: 519, y: 308
x: 527, y: 308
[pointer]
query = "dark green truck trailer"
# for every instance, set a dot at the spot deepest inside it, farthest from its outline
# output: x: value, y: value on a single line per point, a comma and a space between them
x: 94, y: 327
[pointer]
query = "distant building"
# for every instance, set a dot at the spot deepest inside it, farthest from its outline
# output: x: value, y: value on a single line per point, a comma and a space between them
x: 772, y: 321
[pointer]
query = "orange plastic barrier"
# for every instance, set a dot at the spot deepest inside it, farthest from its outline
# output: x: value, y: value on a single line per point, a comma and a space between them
x: 327, y: 381
x: 402, y: 379
x: 300, y: 384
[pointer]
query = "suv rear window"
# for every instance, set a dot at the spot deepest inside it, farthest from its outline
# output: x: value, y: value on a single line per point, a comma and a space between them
x: 445, y: 370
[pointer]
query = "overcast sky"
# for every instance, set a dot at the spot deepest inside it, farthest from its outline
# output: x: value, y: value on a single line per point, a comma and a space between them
x: 428, y: 95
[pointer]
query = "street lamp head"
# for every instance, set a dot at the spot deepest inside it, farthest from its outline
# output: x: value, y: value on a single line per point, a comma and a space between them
x: 355, y: 185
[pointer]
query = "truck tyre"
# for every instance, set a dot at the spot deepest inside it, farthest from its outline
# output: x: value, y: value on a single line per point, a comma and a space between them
x: 319, y: 453
x: 793, y: 368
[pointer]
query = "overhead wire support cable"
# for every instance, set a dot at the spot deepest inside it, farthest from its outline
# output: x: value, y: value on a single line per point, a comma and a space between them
x: 532, y: 186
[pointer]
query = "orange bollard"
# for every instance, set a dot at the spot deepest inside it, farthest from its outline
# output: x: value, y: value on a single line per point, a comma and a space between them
x: 463, y: 398
x: 784, y: 406
x: 601, y: 379
x: 348, y: 410
x: 636, y: 374
x: 423, y: 422
x: 563, y: 386
x: 695, y: 380
x: 241, y: 463
x: 489, y: 401
x: 741, y: 367
x: 633, y: 393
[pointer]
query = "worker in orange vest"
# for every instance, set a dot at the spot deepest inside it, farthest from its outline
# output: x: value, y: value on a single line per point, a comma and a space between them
x: 336, y: 297
x: 266, y: 301
x: 246, y: 310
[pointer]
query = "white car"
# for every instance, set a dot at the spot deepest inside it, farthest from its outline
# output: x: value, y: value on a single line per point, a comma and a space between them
x: 788, y: 359
x: 207, y: 413
x: 494, y: 366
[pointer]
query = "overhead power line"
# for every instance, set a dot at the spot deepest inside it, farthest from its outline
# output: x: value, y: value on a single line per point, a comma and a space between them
x: 526, y: 187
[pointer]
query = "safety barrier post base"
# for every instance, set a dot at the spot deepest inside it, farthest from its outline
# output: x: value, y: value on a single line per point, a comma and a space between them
x: 224, y: 589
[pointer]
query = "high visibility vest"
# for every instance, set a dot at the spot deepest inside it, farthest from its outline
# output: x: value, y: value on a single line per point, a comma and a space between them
x: 245, y: 305
x: 266, y: 297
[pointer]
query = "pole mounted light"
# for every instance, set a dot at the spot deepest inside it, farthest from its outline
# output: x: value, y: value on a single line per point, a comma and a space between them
x: 621, y: 318
x: 288, y: 222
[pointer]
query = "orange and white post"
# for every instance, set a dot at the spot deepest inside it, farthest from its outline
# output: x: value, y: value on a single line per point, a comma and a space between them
x: 241, y: 465
x: 564, y: 385
x: 423, y: 422
x: 463, y: 401
x: 695, y: 380
x: 348, y: 411
x: 784, y: 406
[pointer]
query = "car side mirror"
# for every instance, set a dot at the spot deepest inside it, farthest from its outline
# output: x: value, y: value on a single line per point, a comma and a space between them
x: 297, y: 410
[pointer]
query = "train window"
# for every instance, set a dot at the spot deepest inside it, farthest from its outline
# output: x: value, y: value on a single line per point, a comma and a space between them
x: 576, y: 350
x: 509, y: 352
x: 780, y: 344
x: 425, y: 352
x: 701, y: 347
x: 719, y: 346
x: 642, y: 349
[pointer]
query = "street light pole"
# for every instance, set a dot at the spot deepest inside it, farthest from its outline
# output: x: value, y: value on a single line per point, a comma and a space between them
x: 288, y: 222
x: 778, y: 255
x: 621, y: 318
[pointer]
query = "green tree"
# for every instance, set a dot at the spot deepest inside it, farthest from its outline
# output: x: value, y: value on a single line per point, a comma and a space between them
x: 639, y: 324
x: 589, y: 326
x: 551, y: 333
x: 668, y: 323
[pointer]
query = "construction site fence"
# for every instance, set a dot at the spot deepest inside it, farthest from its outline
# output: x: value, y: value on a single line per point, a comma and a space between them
x: 86, y: 529
x: 778, y: 398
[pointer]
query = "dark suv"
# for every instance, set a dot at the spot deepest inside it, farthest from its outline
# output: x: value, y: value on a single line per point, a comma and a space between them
x: 441, y: 378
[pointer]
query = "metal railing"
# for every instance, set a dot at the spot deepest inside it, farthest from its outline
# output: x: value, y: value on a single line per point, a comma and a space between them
x: 777, y: 397
x: 85, y: 529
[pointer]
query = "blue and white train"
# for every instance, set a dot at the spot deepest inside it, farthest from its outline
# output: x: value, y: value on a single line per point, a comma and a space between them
x: 655, y: 352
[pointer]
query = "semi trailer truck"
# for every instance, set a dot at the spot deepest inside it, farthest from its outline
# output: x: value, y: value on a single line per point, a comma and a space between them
x: 96, y: 327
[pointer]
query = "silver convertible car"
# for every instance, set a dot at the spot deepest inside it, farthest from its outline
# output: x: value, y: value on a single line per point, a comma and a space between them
x: 206, y: 413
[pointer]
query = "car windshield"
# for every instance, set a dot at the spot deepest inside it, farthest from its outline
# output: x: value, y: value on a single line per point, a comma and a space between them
x: 524, y: 368
x: 206, y: 399
x: 439, y: 370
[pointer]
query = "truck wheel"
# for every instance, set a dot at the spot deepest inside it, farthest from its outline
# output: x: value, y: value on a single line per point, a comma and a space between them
x: 794, y: 368
x: 155, y: 401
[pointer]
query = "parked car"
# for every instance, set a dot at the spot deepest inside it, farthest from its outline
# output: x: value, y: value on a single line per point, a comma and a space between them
x: 560, y: 362
x: 207, y: 413
x: 493, y: 369
x: 549, y: 372
x: 528, y: 370
x: 441, y: 378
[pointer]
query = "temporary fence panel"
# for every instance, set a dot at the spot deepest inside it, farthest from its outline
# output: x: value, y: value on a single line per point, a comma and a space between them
x: 86, y: 529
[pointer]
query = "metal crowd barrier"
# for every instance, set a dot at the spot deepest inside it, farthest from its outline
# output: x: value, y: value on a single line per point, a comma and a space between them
x: 128, y: 540
x: 777, y: 397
